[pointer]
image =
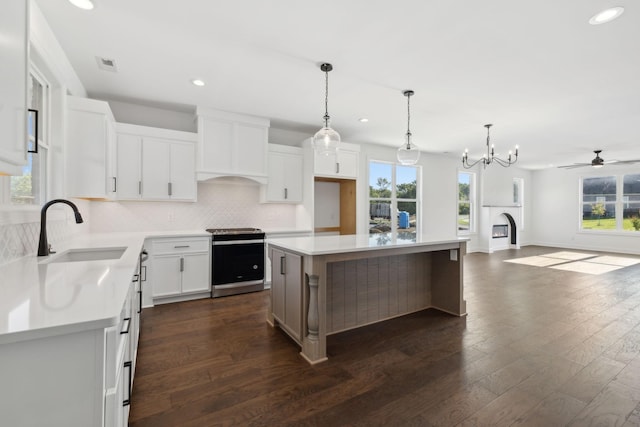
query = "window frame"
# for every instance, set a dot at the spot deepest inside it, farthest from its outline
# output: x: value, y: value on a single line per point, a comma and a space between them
x: 44, y: 136
x: 393, y: 200
x: 472, y: 203
x: 618, y: 204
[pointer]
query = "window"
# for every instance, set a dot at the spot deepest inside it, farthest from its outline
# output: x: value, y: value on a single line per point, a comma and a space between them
x: 611, y: 203
x: 631, y: 202
x: 393, y: 197
x: 30, y: 187
x: 466, y: 202
x: 518, y: 191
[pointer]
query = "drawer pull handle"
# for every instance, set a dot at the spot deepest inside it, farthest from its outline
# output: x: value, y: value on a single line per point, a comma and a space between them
x: 126, y: 330
x: 181, y: 246
x: 282, y: 265
x: 127, y: 401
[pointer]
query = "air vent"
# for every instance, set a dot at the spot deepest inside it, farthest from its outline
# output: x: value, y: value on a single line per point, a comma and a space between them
x: 107, y: 64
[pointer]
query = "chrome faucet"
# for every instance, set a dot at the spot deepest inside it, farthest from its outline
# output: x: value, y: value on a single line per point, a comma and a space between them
x: 43, y: 245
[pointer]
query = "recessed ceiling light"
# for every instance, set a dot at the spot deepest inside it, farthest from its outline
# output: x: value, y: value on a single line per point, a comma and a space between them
x: 363, y: 120
x: 82, y: 4
x: 197, y: 82
x: 606, y: 15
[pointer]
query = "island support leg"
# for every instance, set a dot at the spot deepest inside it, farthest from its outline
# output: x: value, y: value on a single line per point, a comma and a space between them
x: 314, y: 343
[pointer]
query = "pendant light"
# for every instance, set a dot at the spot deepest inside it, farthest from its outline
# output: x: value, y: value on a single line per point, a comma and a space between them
x: 408, y: 153
x: 326, y: 140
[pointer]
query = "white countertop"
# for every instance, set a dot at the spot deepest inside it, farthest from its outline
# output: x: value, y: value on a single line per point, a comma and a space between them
x: 43, y: 299
x: 324, y: 245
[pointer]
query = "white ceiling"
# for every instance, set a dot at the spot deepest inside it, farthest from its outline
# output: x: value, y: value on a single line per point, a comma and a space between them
x: 548, y: 81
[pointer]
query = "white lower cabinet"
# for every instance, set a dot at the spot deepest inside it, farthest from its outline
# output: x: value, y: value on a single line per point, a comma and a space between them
x: 179, y: 268
x: 81, y: 378
x: 286, y: 291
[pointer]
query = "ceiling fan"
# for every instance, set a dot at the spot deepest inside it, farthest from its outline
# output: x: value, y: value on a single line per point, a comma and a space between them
x: 598, y: 162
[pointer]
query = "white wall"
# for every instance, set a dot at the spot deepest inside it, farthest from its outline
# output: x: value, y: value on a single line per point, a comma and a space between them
x: 143, y: 115
x: 557, y: 213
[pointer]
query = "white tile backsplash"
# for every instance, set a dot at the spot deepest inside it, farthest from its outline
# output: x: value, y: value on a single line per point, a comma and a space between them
x: 20, y: 238
x: 221, y: 203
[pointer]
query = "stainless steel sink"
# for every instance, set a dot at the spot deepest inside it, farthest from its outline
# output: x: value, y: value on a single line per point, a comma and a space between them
x: 87, y: 254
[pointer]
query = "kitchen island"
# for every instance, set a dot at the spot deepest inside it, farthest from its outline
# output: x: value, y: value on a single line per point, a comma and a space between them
x: 322, y: 285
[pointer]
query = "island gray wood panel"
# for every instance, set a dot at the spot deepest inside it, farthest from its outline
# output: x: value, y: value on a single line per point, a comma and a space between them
x: 369, y: 290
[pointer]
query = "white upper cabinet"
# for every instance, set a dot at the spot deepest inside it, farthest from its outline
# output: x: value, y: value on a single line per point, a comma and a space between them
x: 285, y: 175
x: 128, y: 174
x: 155, y: 164
x: 89, y: 149
x: 13, y: 85
x: 343, y: 164
x: 231, y: 144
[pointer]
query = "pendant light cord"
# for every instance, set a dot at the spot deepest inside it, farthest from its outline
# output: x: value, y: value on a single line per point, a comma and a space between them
x: 326, y: 99
x: 408, y: 122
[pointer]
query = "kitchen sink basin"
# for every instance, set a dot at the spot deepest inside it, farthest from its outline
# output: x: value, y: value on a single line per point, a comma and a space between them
x: 87, y: 254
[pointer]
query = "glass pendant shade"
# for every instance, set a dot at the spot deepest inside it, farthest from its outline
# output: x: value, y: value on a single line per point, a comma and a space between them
x: 408, y: 153
x: 326, y: 141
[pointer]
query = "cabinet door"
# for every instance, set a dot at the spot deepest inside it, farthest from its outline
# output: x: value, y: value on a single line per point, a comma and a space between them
x: 278, y: 284
x: 293, y: 178
x: 325, y: 164
x: 183, y: 171
x: 347, y: 164
x: 293, y: 294
x: 195, y: 274
x: 86, y: 153
x: 128, y: 177
x: 276, y: 177
x: 13, y: 86
x: 342, y: 165
x: 167, y: 276
x: 156, y: 173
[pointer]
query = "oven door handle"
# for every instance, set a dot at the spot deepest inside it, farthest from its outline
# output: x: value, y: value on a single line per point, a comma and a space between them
x: 238, y: 242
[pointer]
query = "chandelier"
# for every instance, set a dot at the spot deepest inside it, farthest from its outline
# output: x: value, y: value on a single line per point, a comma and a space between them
x: 490, y: 156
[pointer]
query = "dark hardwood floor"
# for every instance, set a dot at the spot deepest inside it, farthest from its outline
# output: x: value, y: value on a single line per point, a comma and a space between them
x: 539, y: 347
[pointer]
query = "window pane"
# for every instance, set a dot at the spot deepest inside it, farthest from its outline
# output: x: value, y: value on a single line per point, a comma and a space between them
x: 406, y: 182
x: 599, y: 189
x: 379, y: 216
x: 465, y: 207
x: 631, y: 203
x: 464, y: 186
x: 380, y: 180
x: 599, y: 216
x: 407, y: 216
x: 464, y: 221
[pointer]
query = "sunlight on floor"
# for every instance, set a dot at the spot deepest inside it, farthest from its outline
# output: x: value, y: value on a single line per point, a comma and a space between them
x: 577, y: 261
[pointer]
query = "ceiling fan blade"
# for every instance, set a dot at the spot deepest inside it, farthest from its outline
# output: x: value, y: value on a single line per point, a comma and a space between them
x: 575, y: 165
x: 624, y: 162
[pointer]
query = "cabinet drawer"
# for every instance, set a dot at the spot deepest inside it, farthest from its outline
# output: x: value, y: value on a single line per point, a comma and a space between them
x: 181, y: 245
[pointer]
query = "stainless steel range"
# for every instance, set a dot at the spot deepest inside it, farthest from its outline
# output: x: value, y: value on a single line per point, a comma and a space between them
x: 237, y: 260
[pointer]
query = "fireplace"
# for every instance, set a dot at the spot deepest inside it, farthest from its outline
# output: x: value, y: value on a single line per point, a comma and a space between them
x: 500, y: 228
x: 500, y: 231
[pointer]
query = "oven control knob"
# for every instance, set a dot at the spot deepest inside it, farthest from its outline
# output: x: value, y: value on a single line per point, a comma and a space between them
x: 255, y: 266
